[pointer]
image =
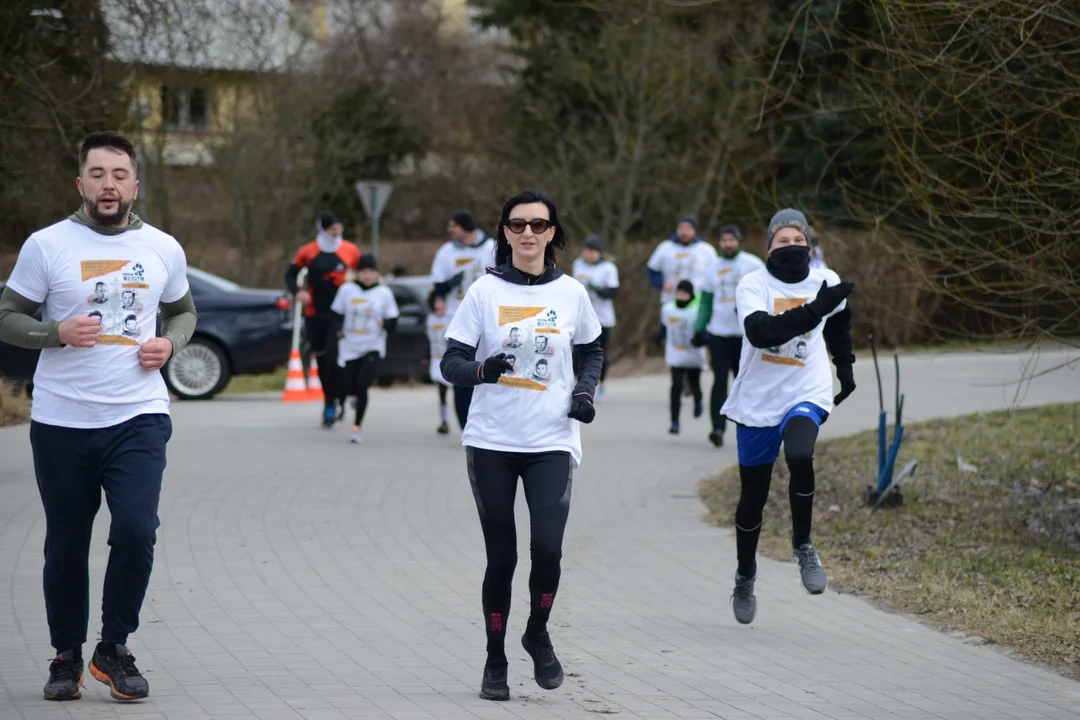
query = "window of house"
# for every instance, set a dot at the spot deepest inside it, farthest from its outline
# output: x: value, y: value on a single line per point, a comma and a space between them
x: 185, y: 107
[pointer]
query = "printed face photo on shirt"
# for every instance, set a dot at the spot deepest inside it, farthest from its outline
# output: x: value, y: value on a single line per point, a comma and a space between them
x: 541, y: 345
x: 514, y: 339
x: 512, y: 359
x: 541, y: 371
x: 101, y: 294
x: 131, y: 326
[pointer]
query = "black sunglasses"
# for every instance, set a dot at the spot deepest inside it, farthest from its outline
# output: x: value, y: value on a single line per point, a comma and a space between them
x: 539, y: 225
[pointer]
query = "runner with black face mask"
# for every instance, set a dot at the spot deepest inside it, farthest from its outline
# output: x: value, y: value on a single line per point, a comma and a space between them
x: 794, y: 318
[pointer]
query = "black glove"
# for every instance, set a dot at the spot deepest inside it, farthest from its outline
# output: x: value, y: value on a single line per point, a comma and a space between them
x: 493, y: 368
x: 456, y: 280
x: 829, y: 298
x: 700, y: 339
x: 581, y: 408
x: 846, y: 377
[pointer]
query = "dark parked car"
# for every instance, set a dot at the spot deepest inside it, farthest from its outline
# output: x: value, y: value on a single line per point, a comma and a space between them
x: 241, y: 331
x: 407, y: 347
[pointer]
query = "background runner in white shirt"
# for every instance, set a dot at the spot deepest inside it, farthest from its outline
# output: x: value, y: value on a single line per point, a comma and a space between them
x: 457, y: 265
x: 794, y: 318
x: 600, y: 277
x: 685, y: 360
x: 683, y: 256
x: 437, y: 322
x: 364, y: 313
x: 524, y: 318
x: 718, y: 325
x: 100, y: 417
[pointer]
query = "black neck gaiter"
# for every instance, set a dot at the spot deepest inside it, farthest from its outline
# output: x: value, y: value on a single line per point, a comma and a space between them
x: 790, y: 264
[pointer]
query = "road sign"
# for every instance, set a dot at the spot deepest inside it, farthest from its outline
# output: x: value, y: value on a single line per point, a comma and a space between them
x: 374, y: 195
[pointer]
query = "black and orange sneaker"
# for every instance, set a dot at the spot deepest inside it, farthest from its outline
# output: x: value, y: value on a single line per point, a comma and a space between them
x: 114, y: 665
x: 65, y: 677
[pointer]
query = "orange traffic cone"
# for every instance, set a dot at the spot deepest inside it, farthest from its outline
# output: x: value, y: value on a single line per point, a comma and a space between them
x: 314, y: 387
x: 295, y: 388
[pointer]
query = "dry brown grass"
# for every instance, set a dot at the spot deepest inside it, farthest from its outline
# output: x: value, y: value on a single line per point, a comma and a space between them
x: 14, y: 405
x: 995, y: 554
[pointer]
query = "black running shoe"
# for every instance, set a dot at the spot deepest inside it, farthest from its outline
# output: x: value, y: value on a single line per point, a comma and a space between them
x: 117, y: 670
x: 743, y: 601
x: 716, y: 438
x: 494, y: 685
x: 65, y: 677
x: 546, y: 668
x: 443, y: 429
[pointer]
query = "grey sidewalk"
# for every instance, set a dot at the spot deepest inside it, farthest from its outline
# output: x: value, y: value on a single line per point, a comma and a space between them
x: 348, y: 586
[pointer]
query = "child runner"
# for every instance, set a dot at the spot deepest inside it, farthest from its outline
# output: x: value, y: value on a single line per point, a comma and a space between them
x: 524, y: 421
x: 365, y: 313
x: 600, y: 277
x: 685, y: 360
x: 437, y: 320
x: 794, y: 318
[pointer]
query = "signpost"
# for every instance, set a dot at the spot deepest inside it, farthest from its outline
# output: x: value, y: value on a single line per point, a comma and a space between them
x: 374, y: 194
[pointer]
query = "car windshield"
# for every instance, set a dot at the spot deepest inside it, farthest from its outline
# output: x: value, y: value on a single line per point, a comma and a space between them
x: 218, y: 282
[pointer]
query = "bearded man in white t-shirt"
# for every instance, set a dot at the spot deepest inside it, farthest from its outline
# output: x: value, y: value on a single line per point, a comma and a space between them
x: 100, y: 417
x: 794, y: 318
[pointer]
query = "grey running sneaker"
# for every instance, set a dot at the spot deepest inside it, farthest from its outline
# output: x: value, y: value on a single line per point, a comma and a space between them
x: 743, y: 601
x: 813, y: 575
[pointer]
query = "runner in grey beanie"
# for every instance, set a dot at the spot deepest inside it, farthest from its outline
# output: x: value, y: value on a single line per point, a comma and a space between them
x: 788, y: 217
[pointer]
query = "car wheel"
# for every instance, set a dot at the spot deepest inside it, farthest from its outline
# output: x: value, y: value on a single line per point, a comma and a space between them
x: 198, y: 372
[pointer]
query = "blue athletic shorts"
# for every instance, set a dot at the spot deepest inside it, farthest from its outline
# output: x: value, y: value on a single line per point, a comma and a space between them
x: 761, y: 446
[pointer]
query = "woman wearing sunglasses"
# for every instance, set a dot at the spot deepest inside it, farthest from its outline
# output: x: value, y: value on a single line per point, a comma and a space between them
x: 523, y: 421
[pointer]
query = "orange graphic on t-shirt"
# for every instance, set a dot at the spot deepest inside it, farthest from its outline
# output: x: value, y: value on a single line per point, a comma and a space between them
x: 523, y: 383
x: 548, y: 331
x: 461, y: 262
x: 781, y: 360
x: 516, y: 313
x: 780, y: 305
x: 135, y: 286
x: 115, y: 340
x: 722, y: 271
x: 99, y: 268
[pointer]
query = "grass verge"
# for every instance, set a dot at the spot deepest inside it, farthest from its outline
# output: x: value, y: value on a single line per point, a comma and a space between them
x: 993, y: 553
x: 14, y: 405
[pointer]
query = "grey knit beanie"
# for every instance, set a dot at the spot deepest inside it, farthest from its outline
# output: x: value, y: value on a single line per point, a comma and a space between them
x: 788, y: 217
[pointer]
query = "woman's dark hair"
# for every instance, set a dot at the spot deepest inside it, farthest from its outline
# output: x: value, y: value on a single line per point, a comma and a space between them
x: 558, y: 240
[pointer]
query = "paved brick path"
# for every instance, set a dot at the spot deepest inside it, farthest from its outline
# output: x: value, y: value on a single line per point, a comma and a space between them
x: 348, y: 586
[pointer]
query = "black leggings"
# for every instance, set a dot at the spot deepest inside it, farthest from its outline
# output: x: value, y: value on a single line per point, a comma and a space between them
x: 546, y: 478
x: 359, y: 374
x: 693, y: 378
x: 724, y: 357
x: 462, y: 399
x: 325, y: 349
x: 800, y: 434
x: 442, y: 393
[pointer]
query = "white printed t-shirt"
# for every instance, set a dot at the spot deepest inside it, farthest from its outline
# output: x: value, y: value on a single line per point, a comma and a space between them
x: 773, y: 380
x: 119, y: 279
x: 436, y: 335
x: 677, y: 262
x: 721, y: 280
x: 535, y: 325
x: 453, y: 257
x: 363, y: 310
x: 678, y: 350
x: 603, y: 274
